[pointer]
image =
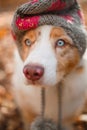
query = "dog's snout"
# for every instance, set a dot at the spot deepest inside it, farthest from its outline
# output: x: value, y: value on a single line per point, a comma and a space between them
x: 33, y: 72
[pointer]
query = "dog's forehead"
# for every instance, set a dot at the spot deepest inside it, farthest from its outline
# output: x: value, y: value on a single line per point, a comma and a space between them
x: 51, y: 31
x: 45, y: 31
x: 57, y: 32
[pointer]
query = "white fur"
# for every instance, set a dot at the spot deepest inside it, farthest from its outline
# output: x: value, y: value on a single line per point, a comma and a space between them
x: 41, y: 54
x: 74, y: 86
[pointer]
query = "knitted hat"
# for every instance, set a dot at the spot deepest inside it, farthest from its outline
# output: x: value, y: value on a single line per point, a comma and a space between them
x: 62, y: 13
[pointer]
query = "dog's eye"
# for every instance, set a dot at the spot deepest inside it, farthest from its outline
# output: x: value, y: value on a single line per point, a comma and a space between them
x: 60, y: 43
x: 28, y: 42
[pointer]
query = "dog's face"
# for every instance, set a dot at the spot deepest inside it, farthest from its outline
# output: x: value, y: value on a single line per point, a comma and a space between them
x: 48, y: 55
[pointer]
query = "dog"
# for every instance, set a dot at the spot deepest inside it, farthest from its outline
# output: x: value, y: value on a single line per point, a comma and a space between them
x: 45, y: 56
x: 50, y: 42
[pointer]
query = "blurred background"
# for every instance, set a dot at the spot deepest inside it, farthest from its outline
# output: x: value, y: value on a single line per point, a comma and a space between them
x: 10, y: 118
x: 10, y: 4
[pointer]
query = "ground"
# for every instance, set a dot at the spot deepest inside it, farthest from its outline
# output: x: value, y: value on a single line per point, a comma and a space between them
x: 10, y: 118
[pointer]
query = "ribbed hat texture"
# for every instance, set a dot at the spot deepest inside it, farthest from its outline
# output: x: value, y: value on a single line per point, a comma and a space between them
x: 63, y: 13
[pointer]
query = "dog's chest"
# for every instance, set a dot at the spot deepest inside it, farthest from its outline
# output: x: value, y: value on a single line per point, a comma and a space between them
x: 29, y: 100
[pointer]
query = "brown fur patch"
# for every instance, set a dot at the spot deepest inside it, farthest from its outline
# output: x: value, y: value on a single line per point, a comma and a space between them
x: 23, y: 48
x: 28, y: 115
x: 80, y: 69
x: 67, y: 55
x: 68, y: 59
x: 57, y: 32
x: 27, y: 112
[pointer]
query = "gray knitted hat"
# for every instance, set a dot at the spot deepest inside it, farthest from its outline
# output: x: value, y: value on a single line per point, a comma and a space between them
x: 62, y: 13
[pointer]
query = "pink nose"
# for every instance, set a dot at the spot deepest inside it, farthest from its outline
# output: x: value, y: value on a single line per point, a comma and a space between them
x: 33, y: 72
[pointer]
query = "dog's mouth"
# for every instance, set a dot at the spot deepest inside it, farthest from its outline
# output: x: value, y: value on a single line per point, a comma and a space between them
x: 38, y: 83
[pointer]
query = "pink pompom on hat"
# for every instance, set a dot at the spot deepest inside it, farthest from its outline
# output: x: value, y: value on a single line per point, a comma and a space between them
x: 62, y: 13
